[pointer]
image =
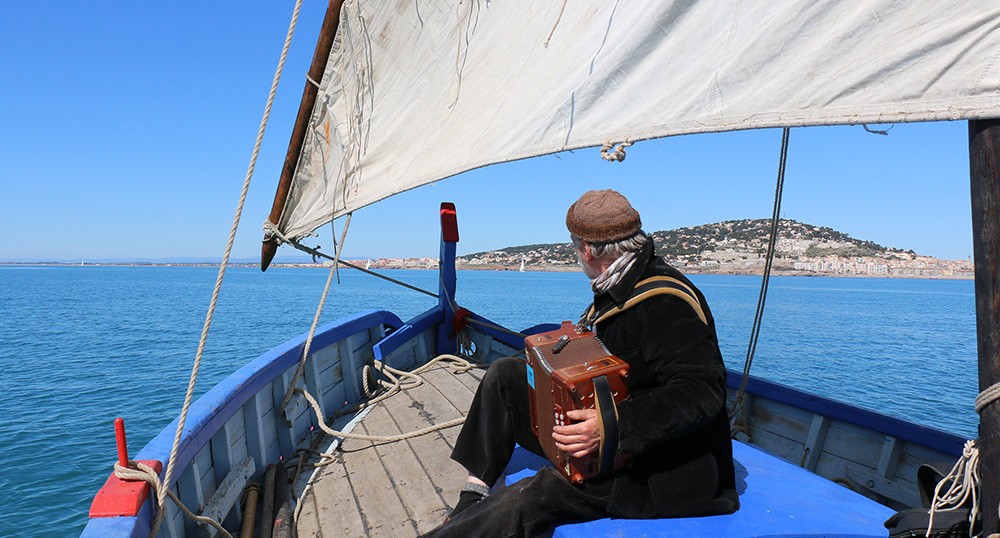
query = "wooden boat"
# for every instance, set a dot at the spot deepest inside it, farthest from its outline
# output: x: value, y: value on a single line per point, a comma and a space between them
x: 807, y: 465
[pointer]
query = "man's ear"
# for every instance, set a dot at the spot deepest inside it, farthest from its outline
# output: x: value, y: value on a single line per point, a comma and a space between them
x: 586, y: 252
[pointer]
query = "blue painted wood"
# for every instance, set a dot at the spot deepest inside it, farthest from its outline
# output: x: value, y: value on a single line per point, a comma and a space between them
x: 446, y: 290
x: 210, y: 412
x: 776, y: 498
x: 405, y: 334
x: 922, y: 435
x: 122, y: 527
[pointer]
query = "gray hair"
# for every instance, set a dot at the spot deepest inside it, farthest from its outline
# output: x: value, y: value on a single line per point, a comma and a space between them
x: 614, y: 249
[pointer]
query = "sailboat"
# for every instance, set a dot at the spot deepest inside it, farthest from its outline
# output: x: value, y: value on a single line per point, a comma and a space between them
x: 521, y: 269
x: 402, y: 94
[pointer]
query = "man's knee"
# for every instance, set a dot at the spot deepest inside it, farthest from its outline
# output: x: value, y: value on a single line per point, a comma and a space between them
x: 505, y: 372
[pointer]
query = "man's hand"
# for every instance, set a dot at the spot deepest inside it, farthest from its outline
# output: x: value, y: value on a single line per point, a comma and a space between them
x: 581, y: 438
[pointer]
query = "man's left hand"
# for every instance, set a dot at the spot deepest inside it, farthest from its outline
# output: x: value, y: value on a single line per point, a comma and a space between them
x: 581, y: 438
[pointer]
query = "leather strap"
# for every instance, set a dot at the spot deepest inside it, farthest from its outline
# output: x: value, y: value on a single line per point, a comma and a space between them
x: 607, y: 413
x: 652, y: 286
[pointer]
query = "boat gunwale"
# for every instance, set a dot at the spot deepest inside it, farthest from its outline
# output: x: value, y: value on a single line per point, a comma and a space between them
x: 213, y: 409
x: 925, y: 436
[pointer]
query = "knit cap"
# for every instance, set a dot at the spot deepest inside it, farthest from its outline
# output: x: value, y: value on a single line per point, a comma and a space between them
x: 602, y: 217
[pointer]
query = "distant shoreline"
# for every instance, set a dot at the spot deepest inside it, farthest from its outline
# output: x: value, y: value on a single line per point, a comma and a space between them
x: 488, y: 267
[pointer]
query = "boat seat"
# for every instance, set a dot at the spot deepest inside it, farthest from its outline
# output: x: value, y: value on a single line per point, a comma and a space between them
x: 777, y: 498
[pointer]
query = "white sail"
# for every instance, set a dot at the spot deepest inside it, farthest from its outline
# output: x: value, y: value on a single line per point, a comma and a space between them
x: 418, y: 91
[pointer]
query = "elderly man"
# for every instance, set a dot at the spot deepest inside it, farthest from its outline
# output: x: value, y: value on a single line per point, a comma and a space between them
x: 674, y: 423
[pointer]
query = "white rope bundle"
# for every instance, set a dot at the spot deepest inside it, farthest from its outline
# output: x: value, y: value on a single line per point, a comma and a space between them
x: 964, y: 483
x: 964, y: 476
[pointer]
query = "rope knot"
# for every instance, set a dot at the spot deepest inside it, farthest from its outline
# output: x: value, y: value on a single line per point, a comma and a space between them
x: 618, y: 155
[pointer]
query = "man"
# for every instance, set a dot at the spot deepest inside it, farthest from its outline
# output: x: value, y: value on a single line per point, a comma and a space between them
x: 674, y: 423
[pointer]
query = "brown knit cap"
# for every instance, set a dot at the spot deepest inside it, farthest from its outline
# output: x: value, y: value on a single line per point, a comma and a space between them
x: 602, y: 217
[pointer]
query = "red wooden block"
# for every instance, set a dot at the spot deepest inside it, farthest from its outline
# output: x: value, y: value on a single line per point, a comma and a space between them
x: 122, y: 498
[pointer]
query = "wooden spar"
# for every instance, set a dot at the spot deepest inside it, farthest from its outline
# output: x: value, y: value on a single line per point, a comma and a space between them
x: 330, y: 22
x: 984, y: 168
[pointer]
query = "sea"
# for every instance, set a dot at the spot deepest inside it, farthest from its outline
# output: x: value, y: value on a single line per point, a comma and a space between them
x: 83, y: 345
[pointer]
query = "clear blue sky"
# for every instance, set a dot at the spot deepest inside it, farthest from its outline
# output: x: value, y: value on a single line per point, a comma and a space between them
x: 126, y: 128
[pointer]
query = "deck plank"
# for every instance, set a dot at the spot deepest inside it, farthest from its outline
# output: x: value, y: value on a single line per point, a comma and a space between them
x: 400, y: 488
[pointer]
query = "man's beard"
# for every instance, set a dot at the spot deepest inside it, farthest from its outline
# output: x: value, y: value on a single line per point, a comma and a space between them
x: 591, y: 272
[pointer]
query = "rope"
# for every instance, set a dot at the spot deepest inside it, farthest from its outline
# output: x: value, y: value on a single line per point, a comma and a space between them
x: 964, y: 476
x: 987, y: 397
x: 141, y: 471
x: 618, y: 154
x: 163, y: 487
x: 762, y: 297
x: 964, y: 480
x: 272, y: 230
x: 397, y: 385
x: 315, y: 323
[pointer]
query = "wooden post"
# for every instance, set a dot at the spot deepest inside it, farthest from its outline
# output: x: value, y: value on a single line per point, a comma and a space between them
x: 446, y: 286
x: 984, y: 167
x: 326, y: 34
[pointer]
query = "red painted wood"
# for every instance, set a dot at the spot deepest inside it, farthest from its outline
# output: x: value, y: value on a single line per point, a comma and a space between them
x: 449, y: 222
x: 122, y: 444
x: 122, y: 498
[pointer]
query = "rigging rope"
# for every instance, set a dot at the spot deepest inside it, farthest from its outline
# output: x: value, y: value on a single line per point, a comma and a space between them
x: 762, y: 297
x: 163, y: 487
x: 271, y: 229
x: 319, y: 311
x: 140, y: 471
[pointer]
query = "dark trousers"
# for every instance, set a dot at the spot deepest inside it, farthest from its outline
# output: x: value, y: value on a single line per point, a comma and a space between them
x: 499, y: 418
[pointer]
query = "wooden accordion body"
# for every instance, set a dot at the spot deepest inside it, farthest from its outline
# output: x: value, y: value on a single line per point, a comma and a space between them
x: 570, y: 369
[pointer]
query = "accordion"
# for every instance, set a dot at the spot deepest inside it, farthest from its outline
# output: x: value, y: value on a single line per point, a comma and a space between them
x: 571, y: 369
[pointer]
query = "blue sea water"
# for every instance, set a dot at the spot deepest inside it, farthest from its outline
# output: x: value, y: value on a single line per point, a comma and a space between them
x: 83, y: 345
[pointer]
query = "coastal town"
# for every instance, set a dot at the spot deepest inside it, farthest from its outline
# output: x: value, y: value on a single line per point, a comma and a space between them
x: 730, y: 247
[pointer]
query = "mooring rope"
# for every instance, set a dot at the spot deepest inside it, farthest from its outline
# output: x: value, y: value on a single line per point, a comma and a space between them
x: 163, y: 487
x: 140, y: 471
x: 762, y: 297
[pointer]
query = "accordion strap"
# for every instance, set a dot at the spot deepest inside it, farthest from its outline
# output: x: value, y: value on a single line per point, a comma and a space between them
x: 653, y: 286
x: 607, y: 414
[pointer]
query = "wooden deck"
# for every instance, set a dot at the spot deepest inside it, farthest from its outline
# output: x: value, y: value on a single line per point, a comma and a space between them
x: 394, y: 489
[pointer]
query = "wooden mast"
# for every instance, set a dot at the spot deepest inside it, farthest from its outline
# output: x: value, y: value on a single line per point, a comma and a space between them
x: 984, y: 168
x: 330, y: 22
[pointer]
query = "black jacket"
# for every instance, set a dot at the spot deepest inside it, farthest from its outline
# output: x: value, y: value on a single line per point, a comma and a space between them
x: 675, y: 421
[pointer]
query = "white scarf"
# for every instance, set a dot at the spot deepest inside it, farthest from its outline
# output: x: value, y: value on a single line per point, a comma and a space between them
x: 614, y: 273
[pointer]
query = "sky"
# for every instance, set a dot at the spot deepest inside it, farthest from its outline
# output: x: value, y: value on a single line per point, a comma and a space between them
x: 126, y: 129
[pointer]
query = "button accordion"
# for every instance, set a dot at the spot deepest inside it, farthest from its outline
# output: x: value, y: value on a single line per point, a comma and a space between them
x: 571, y: 369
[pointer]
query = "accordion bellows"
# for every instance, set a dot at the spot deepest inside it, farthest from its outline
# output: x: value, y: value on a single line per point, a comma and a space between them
x: 571, y: 369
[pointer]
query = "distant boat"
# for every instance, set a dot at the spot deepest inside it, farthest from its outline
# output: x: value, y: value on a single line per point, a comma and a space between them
x: 522, y: 265
x: 368, y: 263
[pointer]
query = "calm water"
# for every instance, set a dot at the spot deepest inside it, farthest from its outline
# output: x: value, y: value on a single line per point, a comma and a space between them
x: 82, y: 345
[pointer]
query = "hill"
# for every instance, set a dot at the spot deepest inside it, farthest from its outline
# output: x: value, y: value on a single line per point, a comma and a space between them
x: 739, y: 246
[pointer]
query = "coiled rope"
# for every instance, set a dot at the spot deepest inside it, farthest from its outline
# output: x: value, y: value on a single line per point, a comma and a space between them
x: 163, y: 487
x: 740, y: 425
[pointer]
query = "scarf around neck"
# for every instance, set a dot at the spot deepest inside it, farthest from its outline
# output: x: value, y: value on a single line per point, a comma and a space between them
x: 614, y: 273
